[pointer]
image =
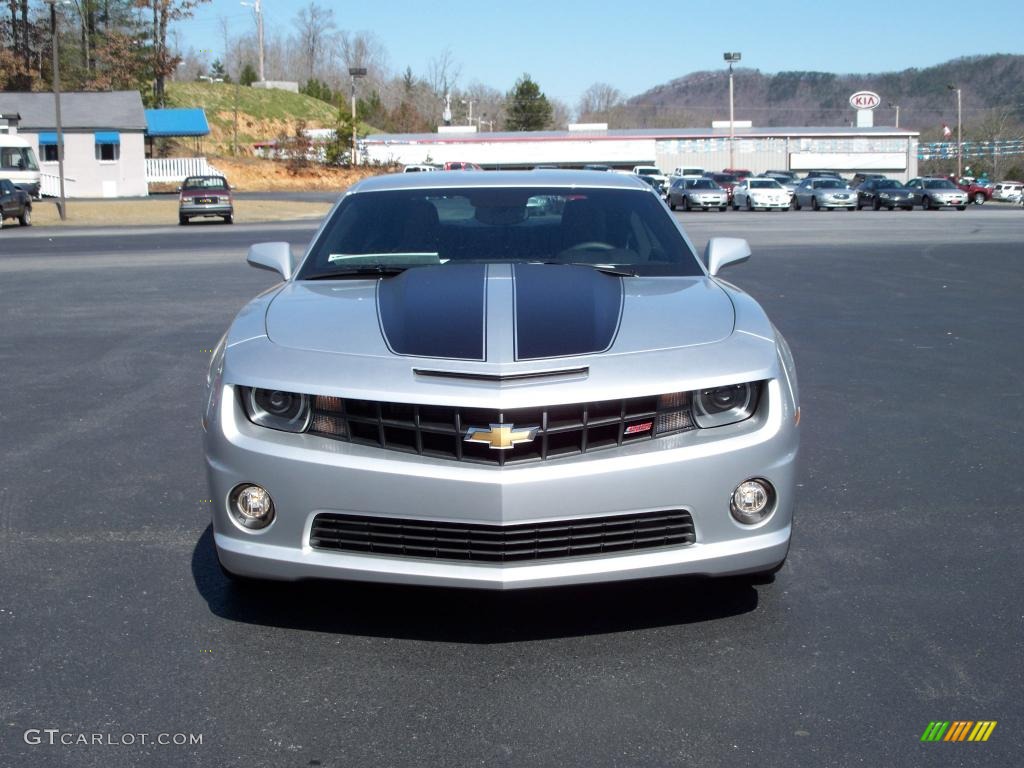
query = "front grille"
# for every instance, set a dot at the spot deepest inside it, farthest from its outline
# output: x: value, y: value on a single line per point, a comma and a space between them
x: 440, y: 431
x: 399, y: 537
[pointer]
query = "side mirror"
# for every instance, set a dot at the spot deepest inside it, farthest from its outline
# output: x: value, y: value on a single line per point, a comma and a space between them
x: 276, y: 257
x: 723, y: 251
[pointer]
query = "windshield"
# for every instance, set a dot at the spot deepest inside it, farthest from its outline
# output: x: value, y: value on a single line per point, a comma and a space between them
x: 763, y: 184
x: 939, y: 184
x: 17, y: 159
x: 888, y: 184
x: 407, y: 228
x: 726, y: 178
x: 648, y: 172
x: 830, y: 184
x: 205, y: 182
x: 702, y: 184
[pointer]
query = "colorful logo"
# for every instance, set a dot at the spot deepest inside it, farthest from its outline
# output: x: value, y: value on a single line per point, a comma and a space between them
x: 958, y: 730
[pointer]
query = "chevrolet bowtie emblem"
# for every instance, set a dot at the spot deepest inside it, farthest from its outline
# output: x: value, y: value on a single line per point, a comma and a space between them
x: 501, y: 437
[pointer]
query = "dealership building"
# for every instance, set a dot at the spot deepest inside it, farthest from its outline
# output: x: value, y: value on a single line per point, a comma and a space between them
x: 847, y: 149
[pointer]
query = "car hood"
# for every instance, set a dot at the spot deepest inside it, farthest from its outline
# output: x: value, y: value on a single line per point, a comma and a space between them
x: 499, y: 313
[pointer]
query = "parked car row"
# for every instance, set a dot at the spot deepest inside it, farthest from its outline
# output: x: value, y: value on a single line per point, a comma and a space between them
x: 778, y: 190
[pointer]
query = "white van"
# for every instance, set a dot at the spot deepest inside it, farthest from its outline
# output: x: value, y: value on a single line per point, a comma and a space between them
x: 1008, y: 191
x: 18, y: 163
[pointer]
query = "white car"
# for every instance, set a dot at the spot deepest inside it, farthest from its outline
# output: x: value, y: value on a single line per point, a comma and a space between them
x: 420, y: 168
x: 754, y: 193
x: 1008, y: 191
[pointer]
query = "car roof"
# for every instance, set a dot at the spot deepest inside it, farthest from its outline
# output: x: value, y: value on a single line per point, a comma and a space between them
x: 535, y: 178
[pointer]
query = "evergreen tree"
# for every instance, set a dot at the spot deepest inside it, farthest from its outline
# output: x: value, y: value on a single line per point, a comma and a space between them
x: 248, y: 75
x: 527, y: 107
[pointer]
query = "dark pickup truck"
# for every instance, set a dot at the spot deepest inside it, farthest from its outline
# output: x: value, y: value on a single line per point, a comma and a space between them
x: 15, y: 203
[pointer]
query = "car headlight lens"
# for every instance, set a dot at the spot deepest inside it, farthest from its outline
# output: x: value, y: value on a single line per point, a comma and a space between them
x: 277, y: 409
x: 725, y: 405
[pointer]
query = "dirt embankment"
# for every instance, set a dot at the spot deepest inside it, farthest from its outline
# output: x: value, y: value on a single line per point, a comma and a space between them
x: 253, y: 174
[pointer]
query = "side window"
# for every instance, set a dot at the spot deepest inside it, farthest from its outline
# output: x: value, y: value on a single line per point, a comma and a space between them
x: 5, y: 187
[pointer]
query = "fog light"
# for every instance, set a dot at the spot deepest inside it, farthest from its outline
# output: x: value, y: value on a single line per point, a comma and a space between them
x: 752, y: 501
x: 252, y: 506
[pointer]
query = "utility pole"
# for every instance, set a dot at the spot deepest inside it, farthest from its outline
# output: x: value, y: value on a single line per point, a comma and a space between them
x: 355, y: 72
x: 959, y: 134
x: 897, y: 108
x: 732, y: 57
x: 257, y: 9
x: 62, y: 205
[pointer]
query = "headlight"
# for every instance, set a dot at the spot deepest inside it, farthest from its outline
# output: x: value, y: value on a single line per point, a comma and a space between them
x: 276, y: 409
x: 725, y: 405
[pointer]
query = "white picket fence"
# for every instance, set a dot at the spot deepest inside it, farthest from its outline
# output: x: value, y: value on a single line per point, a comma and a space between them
x: 170, y: 169
x: 49, y: 185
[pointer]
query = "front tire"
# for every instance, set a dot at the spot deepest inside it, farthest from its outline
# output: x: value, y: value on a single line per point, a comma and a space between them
x: 876, y: 206
x: 182, y: 221
x: 750, y: 205
x: 229, y: 219
x: 979, y: 199
x: 926, y: 203
x: 814, y: 204
x: 686, y: 205
x: 721, y: 209
x: 26, y: 217
x: 961, y: 207
x: 671, y: 203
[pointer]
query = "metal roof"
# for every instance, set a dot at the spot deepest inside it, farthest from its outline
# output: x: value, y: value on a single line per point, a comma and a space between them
x: 176, y: 122
x: 477, y: 179
x: 120, y: 110
x: 621, y: 134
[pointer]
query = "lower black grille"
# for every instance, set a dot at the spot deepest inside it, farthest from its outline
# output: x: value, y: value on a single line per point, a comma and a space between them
x: 541, y: 433
x: 501, y: 543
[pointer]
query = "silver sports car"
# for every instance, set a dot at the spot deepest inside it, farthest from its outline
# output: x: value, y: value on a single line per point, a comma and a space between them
x: 453, y: 386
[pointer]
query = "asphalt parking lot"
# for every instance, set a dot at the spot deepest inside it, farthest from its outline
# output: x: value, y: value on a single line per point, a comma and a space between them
x: 900, y: 603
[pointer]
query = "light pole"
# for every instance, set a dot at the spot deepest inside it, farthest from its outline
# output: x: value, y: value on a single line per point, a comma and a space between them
x: 897, y: 108
x: 470, y: 102
x: 731, y: 58
x: 62, y: 205
x: 257, y: 9
x: 355, y: 72
x: 959, y: 134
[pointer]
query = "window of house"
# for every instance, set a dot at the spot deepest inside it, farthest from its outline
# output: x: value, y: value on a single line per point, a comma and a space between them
x: 49, y: 153
x: 108, y: 153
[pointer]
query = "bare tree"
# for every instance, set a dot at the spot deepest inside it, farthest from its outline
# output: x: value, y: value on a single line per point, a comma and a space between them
x: 316, y: 29
x: 599, y: 99
x: 443, y: 73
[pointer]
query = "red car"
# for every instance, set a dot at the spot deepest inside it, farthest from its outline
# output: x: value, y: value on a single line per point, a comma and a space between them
x: 458, y: 165
x: 726, y: 181
x: 979, y: 194
x: 739, y: 173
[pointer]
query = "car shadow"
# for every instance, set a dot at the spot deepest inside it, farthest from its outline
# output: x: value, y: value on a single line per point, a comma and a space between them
x: 464, y: 615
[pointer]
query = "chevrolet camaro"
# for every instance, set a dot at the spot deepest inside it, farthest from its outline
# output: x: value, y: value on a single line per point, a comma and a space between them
x: 501, y: 380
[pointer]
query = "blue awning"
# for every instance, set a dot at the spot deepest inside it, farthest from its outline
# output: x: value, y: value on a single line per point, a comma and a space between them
x: 176, y: 122
x: 49, y: 137
x: 108, y: 137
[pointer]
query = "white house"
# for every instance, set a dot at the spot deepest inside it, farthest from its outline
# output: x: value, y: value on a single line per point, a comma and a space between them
x: 104, y: 139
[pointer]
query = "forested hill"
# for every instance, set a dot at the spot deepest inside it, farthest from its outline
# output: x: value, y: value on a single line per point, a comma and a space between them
x: 987, y: 83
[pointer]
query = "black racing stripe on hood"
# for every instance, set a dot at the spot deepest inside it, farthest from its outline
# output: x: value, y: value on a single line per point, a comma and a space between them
x: 565, y: 310
x: 436, y: 311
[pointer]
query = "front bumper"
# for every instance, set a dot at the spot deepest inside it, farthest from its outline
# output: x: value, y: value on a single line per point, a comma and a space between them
x: 308, y: 475
x: 218, y: 209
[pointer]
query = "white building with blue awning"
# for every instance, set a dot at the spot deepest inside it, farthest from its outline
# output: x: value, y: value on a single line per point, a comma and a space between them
x: 104, y: 140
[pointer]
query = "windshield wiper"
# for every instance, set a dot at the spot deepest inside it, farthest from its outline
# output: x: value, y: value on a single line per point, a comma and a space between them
x: 607, y: 269
x: 374, y: 270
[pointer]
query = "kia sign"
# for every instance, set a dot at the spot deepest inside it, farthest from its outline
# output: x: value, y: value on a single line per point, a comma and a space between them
x: 865, y: 100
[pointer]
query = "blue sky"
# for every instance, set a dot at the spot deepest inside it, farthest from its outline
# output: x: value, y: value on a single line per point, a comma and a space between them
x: 566, y: 45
